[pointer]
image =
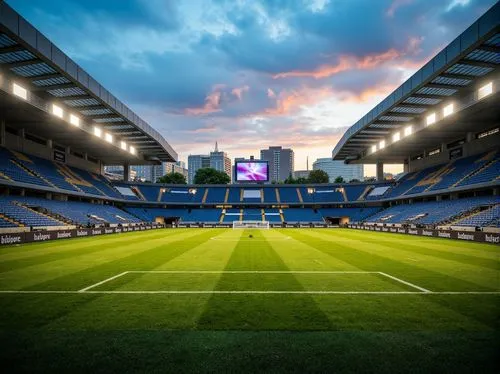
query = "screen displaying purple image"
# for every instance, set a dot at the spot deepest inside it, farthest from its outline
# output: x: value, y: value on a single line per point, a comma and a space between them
x: 256, y: 171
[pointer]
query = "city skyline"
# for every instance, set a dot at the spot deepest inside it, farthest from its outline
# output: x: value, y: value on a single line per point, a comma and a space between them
x: 291, y: 80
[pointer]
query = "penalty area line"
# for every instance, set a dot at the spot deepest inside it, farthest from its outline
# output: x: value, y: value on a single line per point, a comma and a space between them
x: 248, y: 272
x: 405, y: 282
x: 102, y: 282
x: 174, y: 292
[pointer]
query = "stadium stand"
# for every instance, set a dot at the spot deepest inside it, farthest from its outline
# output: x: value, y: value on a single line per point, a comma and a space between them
x: 490, y: 217
x: 234, y: 195
x: 67, y: 212
x: 272, y: 215
x: 215, y: 195
x: 354, y: 192
x: 5, y: 223
x: 354, y: 214
x: 15, y: 211
x: 435, y: 212
x: 289, y: 195
x: 270, y: 195
x: 230, y: 215
x: 482, y: 168
x: 11, y: 170
x: 20, y: 167
x: 302, y: 215
x: 252, y: 215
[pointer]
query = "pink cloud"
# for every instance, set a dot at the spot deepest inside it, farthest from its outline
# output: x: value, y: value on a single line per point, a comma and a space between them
x: 212, y: 103
x: 345, y: 63
x: 238, y: 91
x: 288, y: 101
x: 349, y: 62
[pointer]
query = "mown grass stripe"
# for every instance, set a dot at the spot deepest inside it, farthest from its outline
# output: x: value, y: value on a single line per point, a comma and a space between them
x: 146, y: 255
x: 29, y: 249
x: 436, y: 250
x: 72, y: 252
x: 260, y: 311
x: 46, y: 272
x: 368, y: 260
x: 366, y: 257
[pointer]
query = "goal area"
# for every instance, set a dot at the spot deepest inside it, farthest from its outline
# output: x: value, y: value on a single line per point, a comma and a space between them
x: 250, y: 224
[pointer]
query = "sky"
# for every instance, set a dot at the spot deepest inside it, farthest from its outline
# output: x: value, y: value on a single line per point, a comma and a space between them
x: 252, y: 74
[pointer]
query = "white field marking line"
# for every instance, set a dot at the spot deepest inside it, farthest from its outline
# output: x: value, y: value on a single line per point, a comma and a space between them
x: 86, y: 289
x: 102, y: 282
x: 404, y: 282
x: 254, y: 240
x: 258, y: 292
x: 248, y: 272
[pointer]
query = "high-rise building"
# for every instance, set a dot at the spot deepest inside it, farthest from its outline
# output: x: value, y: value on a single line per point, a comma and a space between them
x: 217, y: 160
x: 336, y: 169
x: 176, y: 167
x: 148, y: 173
x: 301, y: 174
x: 115, y: 172
x: 196, y: 162
x: 140, y: 173
x: 281, y: 162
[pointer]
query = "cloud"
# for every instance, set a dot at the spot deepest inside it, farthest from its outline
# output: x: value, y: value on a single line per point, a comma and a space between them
x: 395, y: 5
x: 295, y: 73
x: 349, y: 62
x: 212, y: 103
x: 238, y: 91
x: 289, y: 101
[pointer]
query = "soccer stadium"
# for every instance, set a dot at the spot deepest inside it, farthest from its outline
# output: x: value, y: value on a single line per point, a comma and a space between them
x: 101, y: 275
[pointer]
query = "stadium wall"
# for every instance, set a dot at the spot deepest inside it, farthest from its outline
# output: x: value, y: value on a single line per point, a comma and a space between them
x: 476, y: 236
x: 41, y: 236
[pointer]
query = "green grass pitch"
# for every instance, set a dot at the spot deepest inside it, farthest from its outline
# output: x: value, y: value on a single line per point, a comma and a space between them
x: 216, y: 300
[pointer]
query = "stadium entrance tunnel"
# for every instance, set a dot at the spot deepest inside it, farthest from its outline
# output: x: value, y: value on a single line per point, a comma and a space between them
x: 336, y: 221
x: 167, y: 220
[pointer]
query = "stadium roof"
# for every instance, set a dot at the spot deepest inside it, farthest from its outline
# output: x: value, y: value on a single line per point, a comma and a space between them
x: 29, y: 59
x: 453, y: 76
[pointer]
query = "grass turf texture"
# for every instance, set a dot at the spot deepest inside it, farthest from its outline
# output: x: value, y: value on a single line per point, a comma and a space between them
x: 406, y: 330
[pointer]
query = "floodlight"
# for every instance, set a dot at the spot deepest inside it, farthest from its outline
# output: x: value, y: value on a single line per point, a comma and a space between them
x: 408, y: 130
x: 19, y: 91
x: 74, y: 120
x: 381, y: 144
x: 448, y: 109
x: 431, y: 118
x: 123, y: 145
x: 396, y: 136
x: 97, y: 132
x: 108, y: 137
x: 132, y: 150
x: 484, y: 91
x: 57, y: 111
x: 374, y: 148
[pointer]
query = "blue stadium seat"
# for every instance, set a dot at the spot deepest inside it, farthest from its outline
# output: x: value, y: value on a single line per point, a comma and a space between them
x: 216, y: 195
x: 15, y: 208
x: 302, y: 215
x: 433, y: 212
x: 270, y: 195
